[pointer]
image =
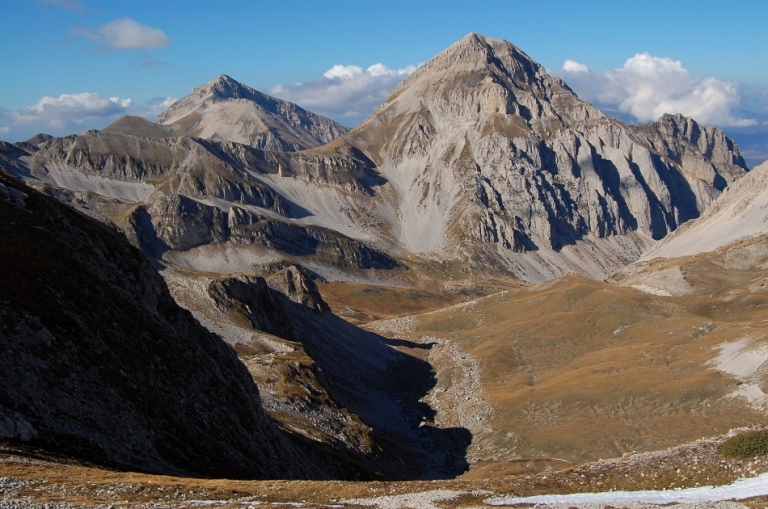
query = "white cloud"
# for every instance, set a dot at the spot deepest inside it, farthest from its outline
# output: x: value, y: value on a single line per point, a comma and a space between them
x: 126, y: 33
x: 348, y: 72
x: 72, y: 113
x: 156, y: 106
x: 647, y: 86
x: 71, y: 108
x: 347, y: 93
x: 574, y: 66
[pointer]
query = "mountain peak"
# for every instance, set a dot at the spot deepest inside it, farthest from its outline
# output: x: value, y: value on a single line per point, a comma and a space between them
x: 224, y: 87
x: 225, y: 109
x: 488, y: 84
x: 479, y: 53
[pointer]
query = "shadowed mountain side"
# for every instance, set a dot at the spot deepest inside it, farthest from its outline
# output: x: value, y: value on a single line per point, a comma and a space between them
x: 385, y: 386
x: 100, y: 364
x: 381, y: 381
x: 178, y: 194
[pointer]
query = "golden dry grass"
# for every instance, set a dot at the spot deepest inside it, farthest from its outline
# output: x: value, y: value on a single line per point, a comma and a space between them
x: 579, y: 369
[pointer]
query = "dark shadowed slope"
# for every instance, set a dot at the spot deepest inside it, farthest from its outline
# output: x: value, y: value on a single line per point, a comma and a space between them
x: 97, y: 361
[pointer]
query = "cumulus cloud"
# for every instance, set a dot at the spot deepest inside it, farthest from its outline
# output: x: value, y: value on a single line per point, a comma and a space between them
x: 71, y: 109
x: 125, y: 33
x: 573, y: 66
x: 347, y: 93
x: 647, y: 86
x: 71, y: 113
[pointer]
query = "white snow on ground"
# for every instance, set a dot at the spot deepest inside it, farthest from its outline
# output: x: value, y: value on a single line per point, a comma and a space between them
x: 421, y: 500
x: 739, y: 360
x: 739, y: 490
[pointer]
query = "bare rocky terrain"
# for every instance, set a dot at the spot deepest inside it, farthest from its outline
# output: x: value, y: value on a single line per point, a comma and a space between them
x: 226, y: 110
x: 487, y: 289
x: 99, y: 363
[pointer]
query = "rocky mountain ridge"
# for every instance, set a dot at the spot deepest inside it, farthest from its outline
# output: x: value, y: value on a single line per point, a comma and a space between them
x: 479, y: 164
x: 226, y: 110
x: 100, y: 364
x: 174, y: 195
x: 487, y: 152
x: 479, y: 155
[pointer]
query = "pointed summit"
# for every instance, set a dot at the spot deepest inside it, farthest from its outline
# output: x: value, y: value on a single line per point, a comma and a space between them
x: 491, y: 157
x: 225, y: 87
x: 221, y: 89
x: 226, y: 110
x: 475, y: 52
x: 482, y: 84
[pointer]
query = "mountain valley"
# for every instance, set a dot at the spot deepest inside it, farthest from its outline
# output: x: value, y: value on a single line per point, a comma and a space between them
x: 489, y: 284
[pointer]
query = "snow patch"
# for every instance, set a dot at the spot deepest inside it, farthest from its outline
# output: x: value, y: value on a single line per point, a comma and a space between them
x: 422, y: 500
x: 739, y: 490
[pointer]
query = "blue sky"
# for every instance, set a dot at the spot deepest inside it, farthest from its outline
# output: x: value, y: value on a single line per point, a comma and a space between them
x: 71, y: 65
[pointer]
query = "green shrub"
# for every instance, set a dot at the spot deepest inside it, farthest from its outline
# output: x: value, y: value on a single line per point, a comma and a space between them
x: 746, y: 445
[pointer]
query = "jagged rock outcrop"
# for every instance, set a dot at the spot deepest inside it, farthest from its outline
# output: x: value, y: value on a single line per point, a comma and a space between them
x: 296, y: 283
x: 740, y: 212
x: 486, y: 151
x: 226, y: 110
x: 181, y: 193
x: 479, y: 155
x: 100, y: 364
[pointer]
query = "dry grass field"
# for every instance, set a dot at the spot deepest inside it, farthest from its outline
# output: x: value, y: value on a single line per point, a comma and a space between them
x: 27, y: 479
x: 577, y: 369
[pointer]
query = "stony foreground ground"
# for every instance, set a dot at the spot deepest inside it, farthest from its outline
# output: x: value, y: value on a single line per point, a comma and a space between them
x: 30, y: 480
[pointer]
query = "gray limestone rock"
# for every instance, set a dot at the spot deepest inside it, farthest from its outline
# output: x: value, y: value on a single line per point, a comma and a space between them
x: 99, y: 363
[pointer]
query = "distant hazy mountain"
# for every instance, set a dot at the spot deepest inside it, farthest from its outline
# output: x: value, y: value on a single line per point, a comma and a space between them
x: 226, y: 110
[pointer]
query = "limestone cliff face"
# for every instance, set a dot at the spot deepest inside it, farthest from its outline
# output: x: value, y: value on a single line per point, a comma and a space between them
x: 479, y: 155
x: 225, y: 110
x: 99, y: 363
x: 486, y: 150
x: 182, y: 193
